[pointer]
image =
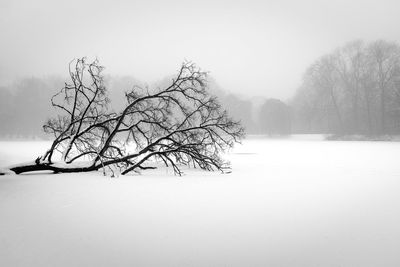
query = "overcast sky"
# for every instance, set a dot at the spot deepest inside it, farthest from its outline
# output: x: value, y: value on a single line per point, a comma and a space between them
x: 250, y: 47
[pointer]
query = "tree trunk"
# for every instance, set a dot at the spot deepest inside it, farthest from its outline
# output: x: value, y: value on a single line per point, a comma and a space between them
x: 383, y: 118
x: 368, y: 107
x: 40, y: 166
x: 336, y: 107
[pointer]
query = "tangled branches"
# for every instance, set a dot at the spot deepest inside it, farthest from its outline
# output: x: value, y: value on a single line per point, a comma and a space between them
x: 180, y: 124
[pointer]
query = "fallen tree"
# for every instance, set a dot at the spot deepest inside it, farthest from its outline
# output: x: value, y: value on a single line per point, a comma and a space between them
x: 180, y: 124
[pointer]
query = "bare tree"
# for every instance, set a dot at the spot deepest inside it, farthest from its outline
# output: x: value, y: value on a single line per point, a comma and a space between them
x: 356, y: 85
x: 387, y: 57
x: 348, y: 64
x: 324, y: 76
x: 180, y: 124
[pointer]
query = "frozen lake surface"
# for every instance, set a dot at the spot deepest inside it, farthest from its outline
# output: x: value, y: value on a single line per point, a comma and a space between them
x: 288, y: 202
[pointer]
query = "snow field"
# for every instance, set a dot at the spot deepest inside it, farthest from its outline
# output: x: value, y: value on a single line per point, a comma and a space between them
x: 288, y: 202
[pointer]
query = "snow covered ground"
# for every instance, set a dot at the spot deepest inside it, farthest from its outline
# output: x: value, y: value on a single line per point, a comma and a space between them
x: 288, y: 202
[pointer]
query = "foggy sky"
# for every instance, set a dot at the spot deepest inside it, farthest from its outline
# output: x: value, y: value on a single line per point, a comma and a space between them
x: 250, y: 47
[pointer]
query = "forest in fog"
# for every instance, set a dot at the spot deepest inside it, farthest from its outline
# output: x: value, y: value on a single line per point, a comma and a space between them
x: 353, y: 90
x: 27, y: 102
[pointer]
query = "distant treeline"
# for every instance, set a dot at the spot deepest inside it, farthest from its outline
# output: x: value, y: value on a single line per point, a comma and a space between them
x: 353, y: 90
x: 25, y: 105
x: 258, y: 115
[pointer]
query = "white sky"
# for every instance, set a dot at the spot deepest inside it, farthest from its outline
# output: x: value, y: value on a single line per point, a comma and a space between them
x: 250, y: 47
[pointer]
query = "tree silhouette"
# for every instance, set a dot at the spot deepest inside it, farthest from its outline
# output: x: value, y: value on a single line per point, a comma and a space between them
x: 180, y: 124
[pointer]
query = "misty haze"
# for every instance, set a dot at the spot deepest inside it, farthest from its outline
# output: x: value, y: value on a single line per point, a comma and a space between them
x: 214, y: 133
